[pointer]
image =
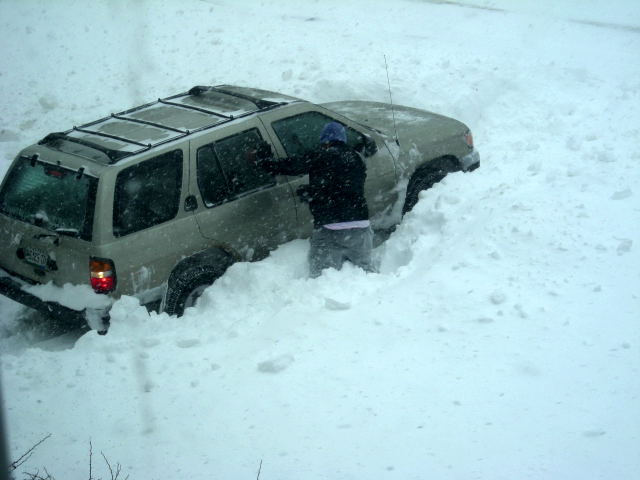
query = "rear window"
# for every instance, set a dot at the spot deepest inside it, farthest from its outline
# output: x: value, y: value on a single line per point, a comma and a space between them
x: 147, y: 194
x: 50, y: 196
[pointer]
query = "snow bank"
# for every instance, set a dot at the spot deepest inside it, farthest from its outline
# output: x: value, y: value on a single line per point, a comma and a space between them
x: 76, y: 297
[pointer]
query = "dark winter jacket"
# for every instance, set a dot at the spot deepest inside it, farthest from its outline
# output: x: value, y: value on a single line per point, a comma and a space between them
x: 336, y: 182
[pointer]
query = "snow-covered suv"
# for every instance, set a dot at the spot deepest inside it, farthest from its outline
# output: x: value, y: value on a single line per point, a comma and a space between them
x: 158, y: 200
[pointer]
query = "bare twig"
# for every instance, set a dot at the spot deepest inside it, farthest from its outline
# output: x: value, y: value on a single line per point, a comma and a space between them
x: 36, y: 476
x: 33, y: 476
x: 259, y: 470
x: 27, y: 455
x: 108, y: 465
x: 90, y: 459
x: 113, y: 471
x: 118, y: 468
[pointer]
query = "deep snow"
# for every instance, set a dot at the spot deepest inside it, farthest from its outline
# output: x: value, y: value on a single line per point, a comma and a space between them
x: 501, y: 338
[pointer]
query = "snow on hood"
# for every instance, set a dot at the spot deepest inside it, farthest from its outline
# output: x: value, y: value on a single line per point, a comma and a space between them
x: 380, y: 116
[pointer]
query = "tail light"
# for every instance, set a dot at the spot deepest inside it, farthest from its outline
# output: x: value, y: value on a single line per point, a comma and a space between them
x: 468, y: 138
x: 103, y: 275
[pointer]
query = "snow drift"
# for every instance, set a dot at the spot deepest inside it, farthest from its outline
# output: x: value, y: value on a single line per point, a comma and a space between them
x: 500, y: 338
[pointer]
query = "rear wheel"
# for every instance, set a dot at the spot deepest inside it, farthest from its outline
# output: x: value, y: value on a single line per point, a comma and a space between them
x: 184, y: 290
x: 425, y: 178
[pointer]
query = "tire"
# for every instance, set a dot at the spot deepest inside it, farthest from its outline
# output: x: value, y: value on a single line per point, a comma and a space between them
x: 184, y: 289
x: 424, y: 178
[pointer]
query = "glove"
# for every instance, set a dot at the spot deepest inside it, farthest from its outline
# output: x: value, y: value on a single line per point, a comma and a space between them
x: 264, y: 151
x: 250, y: 157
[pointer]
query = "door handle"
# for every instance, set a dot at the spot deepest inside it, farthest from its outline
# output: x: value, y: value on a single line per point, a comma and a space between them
x: 190, y: 203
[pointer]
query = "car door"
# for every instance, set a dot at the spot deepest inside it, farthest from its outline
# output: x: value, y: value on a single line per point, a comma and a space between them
x: 297, y: 129
x: 149, y: 230
x: 239, y: 206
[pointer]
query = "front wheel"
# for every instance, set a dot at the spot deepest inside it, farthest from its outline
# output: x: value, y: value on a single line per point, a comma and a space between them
x: 184, y: 290
x: 425, y: 178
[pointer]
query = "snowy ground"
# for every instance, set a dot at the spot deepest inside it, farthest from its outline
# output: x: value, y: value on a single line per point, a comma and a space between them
x: 501, y: 339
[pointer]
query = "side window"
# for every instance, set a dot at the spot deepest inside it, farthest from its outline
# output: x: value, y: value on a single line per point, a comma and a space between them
x: 301, y: 133
x: 211, y: 180
x: 234, y: 155
x: 147, y: 194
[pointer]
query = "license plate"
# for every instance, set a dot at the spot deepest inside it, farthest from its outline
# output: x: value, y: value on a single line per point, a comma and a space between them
x: 36, y: 257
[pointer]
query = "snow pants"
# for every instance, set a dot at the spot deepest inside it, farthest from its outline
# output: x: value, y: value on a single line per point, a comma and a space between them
x: 331, y: 248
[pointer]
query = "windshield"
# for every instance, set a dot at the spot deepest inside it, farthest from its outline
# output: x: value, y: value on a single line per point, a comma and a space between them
x: 50, y: 196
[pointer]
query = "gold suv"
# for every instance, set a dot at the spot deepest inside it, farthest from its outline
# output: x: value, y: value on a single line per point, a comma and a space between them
x: 158, y: 200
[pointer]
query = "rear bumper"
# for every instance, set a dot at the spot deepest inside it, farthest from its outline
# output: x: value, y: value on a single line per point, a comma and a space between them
x: 470, y: 161
x: 11, y: 287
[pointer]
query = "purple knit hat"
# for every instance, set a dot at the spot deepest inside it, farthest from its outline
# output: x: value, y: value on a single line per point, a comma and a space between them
x: 333, y: 132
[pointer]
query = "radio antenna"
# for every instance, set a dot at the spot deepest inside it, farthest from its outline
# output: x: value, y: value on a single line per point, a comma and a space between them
x: 393, y: 112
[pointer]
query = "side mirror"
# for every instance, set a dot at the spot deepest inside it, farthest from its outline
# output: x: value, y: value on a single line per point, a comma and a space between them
x: 367, y: 146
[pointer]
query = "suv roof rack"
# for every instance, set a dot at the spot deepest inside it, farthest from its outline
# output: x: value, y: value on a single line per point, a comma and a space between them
x: 209, y: 107
x: 54, y: 139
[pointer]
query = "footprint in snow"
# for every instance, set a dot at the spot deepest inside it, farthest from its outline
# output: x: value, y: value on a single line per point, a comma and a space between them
x: 497, y: 298
x: 484, y: 320
x: 187, y: 342
x: 622, y: 194
x: 332, y: 304
x: 276, y: 365
x: 624, y: 246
